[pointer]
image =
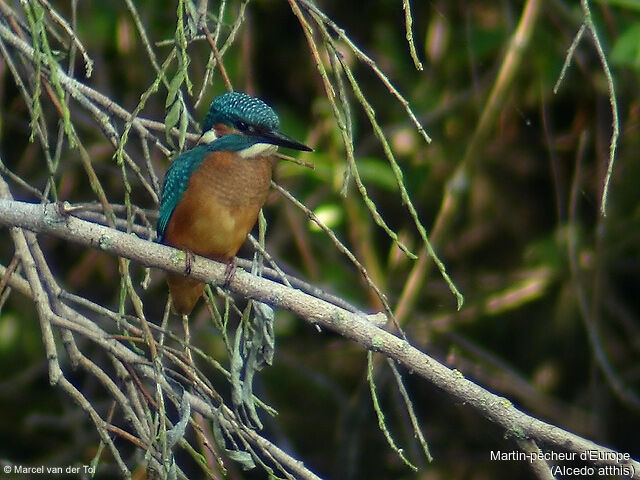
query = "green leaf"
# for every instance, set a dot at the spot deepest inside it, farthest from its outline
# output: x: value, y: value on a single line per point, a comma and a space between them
x: 184, y: 123
x: 633, y: 4
x: 237, y: 363
x: 174, y: 88
x: 172, y: 118
x: 626, y: 51
x: 377, y: 172
x: 243, y: 458
x: 178, y: 430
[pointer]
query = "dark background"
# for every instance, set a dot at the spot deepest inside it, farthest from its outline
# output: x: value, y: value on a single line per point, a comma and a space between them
x: 521, y: 332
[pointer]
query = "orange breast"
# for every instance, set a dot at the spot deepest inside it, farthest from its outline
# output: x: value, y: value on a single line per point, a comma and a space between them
x: 220, y: 205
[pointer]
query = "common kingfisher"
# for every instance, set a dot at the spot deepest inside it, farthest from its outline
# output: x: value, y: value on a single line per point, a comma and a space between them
x: 213, y: 193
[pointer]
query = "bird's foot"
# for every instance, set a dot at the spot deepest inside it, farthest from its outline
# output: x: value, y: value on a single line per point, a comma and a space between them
x: 229, y: 272
x: 189, y: 259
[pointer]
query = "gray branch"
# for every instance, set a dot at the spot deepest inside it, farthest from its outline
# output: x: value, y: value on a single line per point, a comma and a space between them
x: 52, y: 219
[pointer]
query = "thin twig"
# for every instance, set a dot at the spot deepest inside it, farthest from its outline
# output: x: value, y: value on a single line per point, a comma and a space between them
x: 408, y: 20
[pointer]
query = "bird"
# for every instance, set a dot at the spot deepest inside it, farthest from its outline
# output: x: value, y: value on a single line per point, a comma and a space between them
x: 213, y: 193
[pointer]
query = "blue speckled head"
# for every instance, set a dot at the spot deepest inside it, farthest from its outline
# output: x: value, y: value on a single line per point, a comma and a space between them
x: 233, y: 107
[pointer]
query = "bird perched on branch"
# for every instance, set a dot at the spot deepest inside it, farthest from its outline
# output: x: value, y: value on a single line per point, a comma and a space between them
x: 213, y: 193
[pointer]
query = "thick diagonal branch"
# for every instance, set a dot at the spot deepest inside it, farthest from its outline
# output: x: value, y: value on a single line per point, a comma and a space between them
x: 51, y: 219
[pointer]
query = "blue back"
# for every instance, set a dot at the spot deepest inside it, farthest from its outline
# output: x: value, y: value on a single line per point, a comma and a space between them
x: 175, y: 183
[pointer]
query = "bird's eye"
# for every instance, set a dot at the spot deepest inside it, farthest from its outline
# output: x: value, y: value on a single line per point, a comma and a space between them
x: 242, y: 126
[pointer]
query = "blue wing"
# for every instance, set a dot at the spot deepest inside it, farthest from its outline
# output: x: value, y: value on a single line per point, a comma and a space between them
x: 175, y: 183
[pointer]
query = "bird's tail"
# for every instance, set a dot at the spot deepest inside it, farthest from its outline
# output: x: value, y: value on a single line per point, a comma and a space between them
x: 185, y: 292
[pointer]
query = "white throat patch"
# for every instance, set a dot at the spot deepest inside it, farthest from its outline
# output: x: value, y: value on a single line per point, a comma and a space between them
x: 208, y: 137
x: 258, y: 150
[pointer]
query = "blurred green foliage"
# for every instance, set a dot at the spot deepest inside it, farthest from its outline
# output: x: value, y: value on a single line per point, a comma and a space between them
x: 525, y: 244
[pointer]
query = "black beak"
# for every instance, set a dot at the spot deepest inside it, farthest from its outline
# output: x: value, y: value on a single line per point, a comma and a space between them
x: 276, y: 137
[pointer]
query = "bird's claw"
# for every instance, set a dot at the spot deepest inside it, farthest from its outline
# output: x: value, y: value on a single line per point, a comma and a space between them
x: 189, y: 259
x: 229, y: 273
